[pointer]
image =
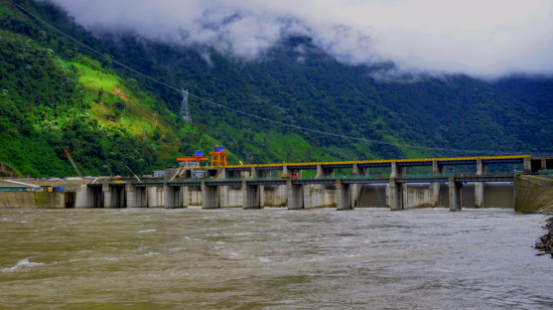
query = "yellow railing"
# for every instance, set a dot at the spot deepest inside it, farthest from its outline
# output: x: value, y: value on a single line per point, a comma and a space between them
x: 379, y: 161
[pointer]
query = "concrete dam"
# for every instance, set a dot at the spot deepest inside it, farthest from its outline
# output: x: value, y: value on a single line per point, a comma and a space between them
x: 487, y: 185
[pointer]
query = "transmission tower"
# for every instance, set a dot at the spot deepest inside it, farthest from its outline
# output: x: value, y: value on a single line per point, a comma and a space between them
x: 184, y: 108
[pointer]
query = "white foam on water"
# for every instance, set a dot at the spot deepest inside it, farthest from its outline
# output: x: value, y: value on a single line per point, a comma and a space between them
x: 173, y: 250
x: 231, y: 254
x: 22, y: 263
x: 111, y: 259
x: 220, y: 242
x: 146, y: 231
x: 104, y: 258
x: 141, y: 249
x: 242, y: 233
x: 4, y: 219
x: 264, y: 260
x: 149, y: 254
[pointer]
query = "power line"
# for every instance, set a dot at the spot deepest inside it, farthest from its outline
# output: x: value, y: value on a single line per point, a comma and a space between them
x: 247, y: 114
x: 321, y: 132
x: 184, y: 108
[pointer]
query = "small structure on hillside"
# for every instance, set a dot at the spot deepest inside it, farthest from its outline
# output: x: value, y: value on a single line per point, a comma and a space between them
x: 192, y: 161
x: 219, y: 156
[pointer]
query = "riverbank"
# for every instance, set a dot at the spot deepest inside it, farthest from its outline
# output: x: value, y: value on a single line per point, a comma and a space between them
x: 545, y: 242
x: 534, y: 193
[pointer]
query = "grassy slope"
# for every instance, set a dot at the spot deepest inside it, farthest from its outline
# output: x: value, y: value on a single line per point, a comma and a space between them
x: 37, y: 116
x: 110, y: 105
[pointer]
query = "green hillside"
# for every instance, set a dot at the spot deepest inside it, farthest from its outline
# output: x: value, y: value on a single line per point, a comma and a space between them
x: 52, y: 101
x: 57, y: 94
x: 49, y: 103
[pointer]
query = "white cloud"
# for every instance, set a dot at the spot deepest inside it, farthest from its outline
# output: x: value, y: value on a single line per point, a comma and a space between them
x: 486, y: 38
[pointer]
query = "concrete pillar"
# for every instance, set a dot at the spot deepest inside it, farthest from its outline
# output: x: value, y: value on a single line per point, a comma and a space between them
x: 395, y: 195
x: 141, y: 197
x: 84, y: 197
x: 527, y: 164
x: 155, y: 196
x: 360, y: 171
x: 394, y: 170
x: 130, y: 192
x: 168, y: 198
x: 259, y: 174
x: 356, y: 188
x: 320, y: 172
x: 172, y: 196
x: 454, y: 195
x: 223, y: 191
x: 185, y: 197
x: 108, y: 196
x: 400, y: 172
x: 435, y: 187
x: 210, y: 196
x: 294, y: 193
x: 543, y: 164
x: 324, y: 172
x: 251, y: 196
x: 343, y: 196
x: 479, y: 186
x: 262, y: 174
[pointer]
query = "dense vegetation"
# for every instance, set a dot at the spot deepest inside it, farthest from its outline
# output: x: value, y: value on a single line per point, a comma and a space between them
x: 56, y: 95
x: 48, y: 104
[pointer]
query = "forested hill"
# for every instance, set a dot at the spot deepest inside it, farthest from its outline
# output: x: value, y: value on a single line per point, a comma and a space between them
x: 294, y: 83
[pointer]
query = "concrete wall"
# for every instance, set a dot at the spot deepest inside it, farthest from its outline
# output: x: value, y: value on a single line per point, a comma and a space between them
x: 275, y: 196
x: 37, y: 200
x: 418, y: 196
x: 533, y: 194
x: 467, y: 195
x: 231, y: 197
x: 155, y: 196
x: 498, y: 195
x: 195, y: 196
x: 443, y: 200
x: 372, y: 196
x: 319, y: 196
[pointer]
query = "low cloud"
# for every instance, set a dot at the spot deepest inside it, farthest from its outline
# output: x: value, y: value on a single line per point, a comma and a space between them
x: 486, y: 39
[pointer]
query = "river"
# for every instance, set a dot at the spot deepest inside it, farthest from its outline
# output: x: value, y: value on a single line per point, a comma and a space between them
x: 272, y: 259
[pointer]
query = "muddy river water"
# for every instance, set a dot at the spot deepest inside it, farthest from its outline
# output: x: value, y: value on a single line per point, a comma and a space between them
x: 272, y: 259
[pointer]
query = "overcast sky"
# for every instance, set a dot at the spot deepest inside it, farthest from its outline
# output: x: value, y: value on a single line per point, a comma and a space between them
x: 482, y: 38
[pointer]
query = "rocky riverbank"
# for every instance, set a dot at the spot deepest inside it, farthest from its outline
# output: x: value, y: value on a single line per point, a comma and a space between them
x: 545, y: 243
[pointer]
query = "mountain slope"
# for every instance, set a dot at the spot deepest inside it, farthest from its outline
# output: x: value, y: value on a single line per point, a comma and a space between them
x: 294, y: 83
x: 48, y: 104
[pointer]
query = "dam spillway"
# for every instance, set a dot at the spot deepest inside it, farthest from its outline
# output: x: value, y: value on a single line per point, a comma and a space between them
x: 254, y: 186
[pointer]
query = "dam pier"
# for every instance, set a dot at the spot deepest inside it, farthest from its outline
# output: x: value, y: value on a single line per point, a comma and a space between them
x: 372, y: 183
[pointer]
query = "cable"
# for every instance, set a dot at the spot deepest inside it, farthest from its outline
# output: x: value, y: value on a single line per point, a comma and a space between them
x: 333, y: 134
x: 250, y: 115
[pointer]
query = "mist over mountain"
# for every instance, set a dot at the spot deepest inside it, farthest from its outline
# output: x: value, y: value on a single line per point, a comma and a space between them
x: 486, y: 39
